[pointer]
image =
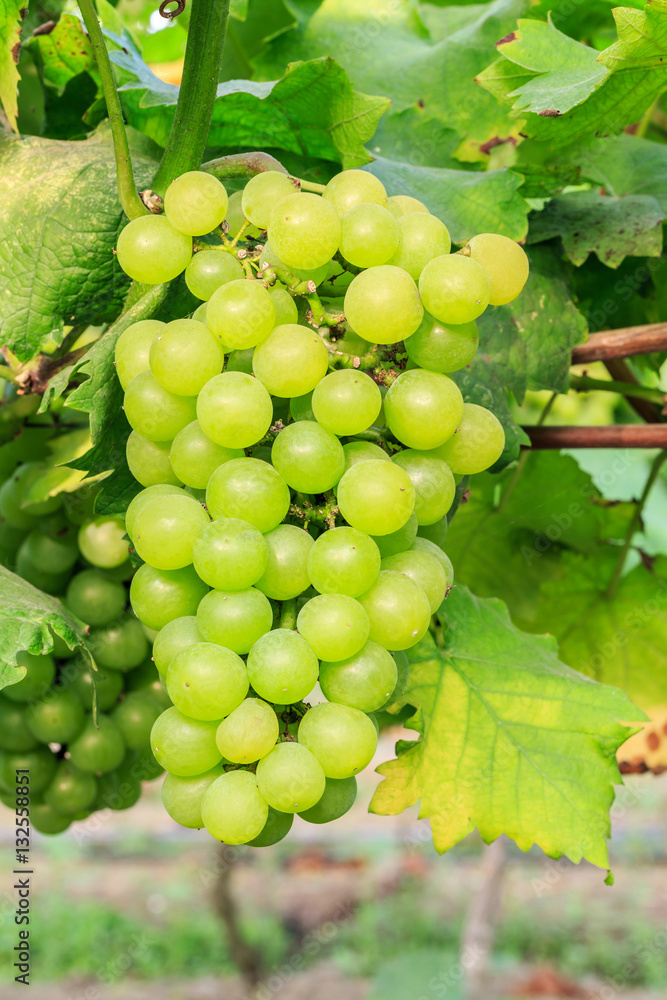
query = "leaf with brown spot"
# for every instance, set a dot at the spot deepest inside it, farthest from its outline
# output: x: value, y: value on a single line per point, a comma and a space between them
x: 11, y: 17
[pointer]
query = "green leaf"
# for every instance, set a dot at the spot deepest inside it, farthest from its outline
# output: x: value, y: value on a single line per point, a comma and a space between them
x: 619, y: 639
x: 59, y: 221
x: 10, y: 43
x: 566, y: 70
x: 635, y: 74
x: 27, y: 617
x: 251, y: 25
x: 467, y: 202
x: 541, y: 181
x: 514, y: 741
x: 611, y: 228
x: 313, y: 109
x: 63, y: 53
x: 626, y: 164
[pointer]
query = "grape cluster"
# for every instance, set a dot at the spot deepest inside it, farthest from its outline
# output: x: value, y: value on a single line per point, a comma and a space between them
x: 77, y: 764
x: 299, y: 454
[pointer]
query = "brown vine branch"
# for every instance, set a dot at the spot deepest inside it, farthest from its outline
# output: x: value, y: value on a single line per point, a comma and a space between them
x: 246, y: 957
x: 616, y: 436
x: 622, y: 343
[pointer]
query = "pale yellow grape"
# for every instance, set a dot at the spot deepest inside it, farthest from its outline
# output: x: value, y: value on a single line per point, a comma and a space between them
x: 150, y: 250
x: 354, y: 187
x: 404, y: 204
x: 454, y: 289
x: 369, y: 235
x: 290, y: 361
x: 132, y: 347
x: 477, y: 443
x: 195, y: 203
x: 262, y: 193
x: 241, y: 314
x: 235, y: 218
x: 382, y: 305
x: 149, y: 461
x: 504, y: 261
x: 304, y: 230
x: 421, y: 237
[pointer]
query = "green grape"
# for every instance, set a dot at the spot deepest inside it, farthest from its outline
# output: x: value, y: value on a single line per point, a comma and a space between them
x: 301, y: 407
x: 424, y: 545
x: 250, y: 732
x: 363, y: 451
x: 309, y: 458
x: 145, y: 679
x: 425, y: 570
x: 154, y: 412
x: 52, y: 583
x: 241, y: 313
x: 184, y: 356
x: 369, y: 235
x: 282, y: 668
x: 149, y: 463
x: 15, y: 734
x: 434, y: 532
x: 102, y: 542
x: 132, y: 347
x: 290, y: 778
x: 209, y: 270
x: 206, y: 681
x: 98, y: 748
x: 286, y: 309
x: 250, y: 489
x: 454, y: 289
x: 338, y: 798
x: 120, y: 646
x: 233, y: 810
x: 107, y: 683
x: 176, y: 635
x: 314, y: 274
x: 158, y: 595
x: 335, y: 626
x: 184, y: 746
x: 504, y: 261
x: 230, y: 554
x: 397, y: 541
x: 116, y: 790
x: 423, y: 408
x: 146, y: 496
x: 433, y: 482
x: 291, y: 361
x: 234, y: 410
x: 354, y: 187
x: 442, y: 348
x: 165, y: 529
x: 141, y: 765
x: 53, y: 555
x: 382, y: 305
x: 134, y: 717
x: 39, y: 675
x: 342, y: 738
x: 46, y: 820
x: 31, y: 481
x: 71, y: 789
x: 194, y: 457
x: 11, y: 499
x: 151, y: 251
x: 343, y: 561
x: 276, y: 828
x: 346, y: 402
x: 422, y: 237
x: 398, y: 611
x: 182, y: 797
x: 236, y: 219
x: 403, y: 671
x: 40, y: 762
x: 477, y: 443
x: 235, y: 619
x: 195, y: 203
x: 403, y: 204
x: 364, y: 680
x: 56, y: 719
x: 262, y: 193
x: 304, y: 230
x: 377, y: 498
x: 286, y: 573
x: 10, y: 540
x: 240, y: 361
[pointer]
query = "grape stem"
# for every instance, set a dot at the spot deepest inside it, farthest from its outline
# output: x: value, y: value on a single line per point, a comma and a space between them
x: 196, y: 98
x: 294, y: 284
x: 583, y: 383
x: 320, y: 317
x: 127, y: 189
x: 242, y: 165
x: 310, y: 186
x: 288, y: 614
x: 635, y: 524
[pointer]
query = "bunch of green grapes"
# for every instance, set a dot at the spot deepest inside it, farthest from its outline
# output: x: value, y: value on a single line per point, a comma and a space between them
x: 295, y: 502
x: 78, y: 763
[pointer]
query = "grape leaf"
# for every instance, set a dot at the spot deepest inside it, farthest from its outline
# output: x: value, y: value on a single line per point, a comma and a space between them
x: 611, y: 228
x: 635, y: 74
x: 59, y: 221
x: 468, y: 202
x: 313, y: 109
x: 63, y: 53
x: 627, y: 164
x: 10, y: 43
x: 27, y: 617
x: 249, y: 28
x: 513, y: 741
